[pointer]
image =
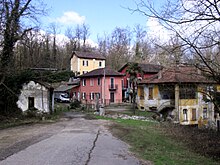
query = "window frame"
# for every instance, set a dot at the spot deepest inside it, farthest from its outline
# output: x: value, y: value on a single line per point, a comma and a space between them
x: 141, y: 93
x: 84, y: 95
x: 205, y: 115
x: 91, y: 81
x: 84, y: 82
x: 185, y: 114
x: 150, y: 93
x: 92, y: 95
x: 99, y: 81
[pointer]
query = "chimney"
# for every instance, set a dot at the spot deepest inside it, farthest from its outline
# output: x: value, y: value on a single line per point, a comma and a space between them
x: 160, y: 74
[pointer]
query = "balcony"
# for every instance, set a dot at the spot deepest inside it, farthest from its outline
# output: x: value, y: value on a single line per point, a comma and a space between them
x: 113, y: 87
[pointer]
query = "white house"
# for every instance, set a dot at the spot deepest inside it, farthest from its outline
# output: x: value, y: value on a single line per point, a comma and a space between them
x: 36, y: 95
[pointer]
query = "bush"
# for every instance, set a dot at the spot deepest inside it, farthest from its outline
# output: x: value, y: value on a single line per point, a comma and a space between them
x: 34, y: 113
x: 75, y: 104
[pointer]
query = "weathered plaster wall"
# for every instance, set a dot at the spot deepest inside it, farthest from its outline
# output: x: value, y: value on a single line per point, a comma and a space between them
x: 40, y: 94
x: 74, y: 64
x: 198, y: 104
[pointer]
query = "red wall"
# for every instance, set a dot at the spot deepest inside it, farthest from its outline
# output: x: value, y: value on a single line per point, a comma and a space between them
x: 103, y: 88
x: 146, y: 75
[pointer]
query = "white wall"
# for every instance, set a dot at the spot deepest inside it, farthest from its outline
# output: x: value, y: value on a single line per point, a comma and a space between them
x: 40, y: 94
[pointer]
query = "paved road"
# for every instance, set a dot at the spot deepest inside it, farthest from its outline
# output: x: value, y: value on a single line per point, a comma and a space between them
x: 74, y: 141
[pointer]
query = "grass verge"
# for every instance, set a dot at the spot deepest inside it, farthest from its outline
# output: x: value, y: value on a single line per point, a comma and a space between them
x: 149, y: 141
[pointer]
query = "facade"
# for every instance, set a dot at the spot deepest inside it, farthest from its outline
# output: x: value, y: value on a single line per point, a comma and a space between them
x: 147, y: 69
x: 83, y: 62
x: 179, y: 93
x: 102, y: 84
x: 36, y: 95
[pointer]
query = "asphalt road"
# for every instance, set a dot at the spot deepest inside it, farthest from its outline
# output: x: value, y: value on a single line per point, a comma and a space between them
x: 72, y: 141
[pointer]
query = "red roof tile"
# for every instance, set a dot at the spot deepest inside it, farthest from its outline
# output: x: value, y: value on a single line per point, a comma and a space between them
x: 181, y: 74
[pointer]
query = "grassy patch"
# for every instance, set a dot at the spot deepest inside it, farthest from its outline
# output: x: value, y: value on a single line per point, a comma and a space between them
x: 7, y: 122
x: 150, y: 142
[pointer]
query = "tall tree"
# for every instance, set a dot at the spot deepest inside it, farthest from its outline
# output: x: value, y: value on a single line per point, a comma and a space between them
x: 134, y: 70
x: 119, y: 48
x: 14, y: 14
x: 140, y: 35
x: 197, y: 24
x: 85, y: 34
x: 17, y: 17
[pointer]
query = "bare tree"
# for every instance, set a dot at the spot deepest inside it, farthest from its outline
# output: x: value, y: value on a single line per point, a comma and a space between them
x: 119, y: 48
x: 196, y: 23
x: 85, y: 34
x: 54, y: 28
x: 14, y: 14
x: 140, y: 47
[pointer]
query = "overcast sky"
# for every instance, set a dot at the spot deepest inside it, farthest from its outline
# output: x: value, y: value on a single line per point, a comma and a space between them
x: 101, y: 15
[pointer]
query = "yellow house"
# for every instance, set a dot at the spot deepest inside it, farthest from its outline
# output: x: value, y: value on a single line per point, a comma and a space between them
x: 179, y: 93
x: 83, y: 62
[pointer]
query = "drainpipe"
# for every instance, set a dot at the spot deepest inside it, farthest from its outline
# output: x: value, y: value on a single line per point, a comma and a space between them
x: 104, y: 88
x: 177, y: 103
x: 42, y: 96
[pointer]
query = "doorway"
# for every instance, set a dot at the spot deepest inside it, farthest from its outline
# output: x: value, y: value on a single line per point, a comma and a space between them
x: 112, y: 97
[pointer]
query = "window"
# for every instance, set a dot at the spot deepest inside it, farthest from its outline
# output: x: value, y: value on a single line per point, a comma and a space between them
x: 84, y: 82
x: 187, y: 92
x: 167, y: 92
x: 193, y: 114
x: 100, y: 64
x: 141, y: 94
x: 185, y: 115
x: 150, y: 95
x: 84, y: 95
x: 85, y: 63
x: 205, y: 113
x: 112, y: 82
x: 84, y: 72
x: 92, y: 96
x: 91, y: 82
x: 30, y: 102
x: 99, y: 81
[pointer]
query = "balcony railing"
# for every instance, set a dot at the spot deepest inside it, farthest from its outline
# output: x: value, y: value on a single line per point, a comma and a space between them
x: 113, y: 87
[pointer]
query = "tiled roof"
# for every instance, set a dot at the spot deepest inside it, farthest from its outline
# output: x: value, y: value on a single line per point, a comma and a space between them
x: 100, y: 73
x: 181, y: 74
x: 146, y: 68
x: 64, y: 88
x: 88, y: 55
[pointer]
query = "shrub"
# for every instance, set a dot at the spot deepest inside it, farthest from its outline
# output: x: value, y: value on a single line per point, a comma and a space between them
x: 75, y: 104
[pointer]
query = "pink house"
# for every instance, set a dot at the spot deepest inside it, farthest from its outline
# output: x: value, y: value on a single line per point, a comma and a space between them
x: 147, y: 69
x: 104, y: 84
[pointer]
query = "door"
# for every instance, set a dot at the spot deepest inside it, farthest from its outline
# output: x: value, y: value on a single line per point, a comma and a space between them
x: 193, y: 114
x: 112, y: 97
x: 30, y: 102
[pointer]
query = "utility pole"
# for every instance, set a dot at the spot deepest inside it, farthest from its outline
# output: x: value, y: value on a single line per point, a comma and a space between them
x: 104, y: 87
